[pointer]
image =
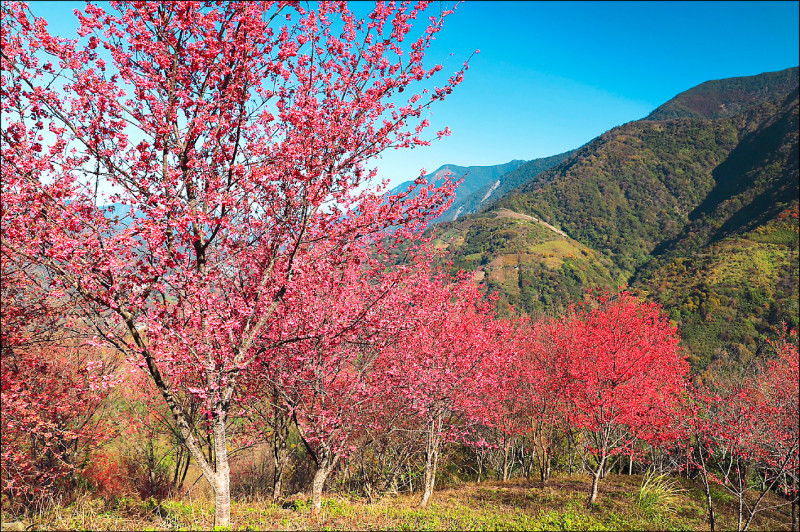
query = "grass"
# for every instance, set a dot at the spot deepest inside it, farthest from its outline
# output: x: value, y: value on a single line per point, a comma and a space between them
x: 491, y: 505
x: 658, y: 493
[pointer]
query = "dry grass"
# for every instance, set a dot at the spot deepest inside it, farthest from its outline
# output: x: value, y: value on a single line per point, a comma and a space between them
x: 492, y: 505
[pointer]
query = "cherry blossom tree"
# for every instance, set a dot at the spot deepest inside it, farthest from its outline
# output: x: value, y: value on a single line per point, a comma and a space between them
x: 746, y: 427
x: 777, y: 392
x: 541, y: 403
x: 52, y: 389
x: 322, y: 366
x: 625, y: 375
x: 50, y: 424
x: 176, y: 166
x: 449, y: 368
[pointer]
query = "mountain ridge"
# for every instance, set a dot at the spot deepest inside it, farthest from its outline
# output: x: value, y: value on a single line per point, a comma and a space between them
x: 655, y: 203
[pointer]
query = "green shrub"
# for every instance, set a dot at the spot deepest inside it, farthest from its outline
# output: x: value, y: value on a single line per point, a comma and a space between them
x: 658, y: 493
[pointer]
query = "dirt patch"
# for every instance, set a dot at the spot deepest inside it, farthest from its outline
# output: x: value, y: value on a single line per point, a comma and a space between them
x: 508, y: 213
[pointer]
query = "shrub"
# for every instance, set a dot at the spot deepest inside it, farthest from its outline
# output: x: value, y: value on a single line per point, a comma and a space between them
x: 658, y: 493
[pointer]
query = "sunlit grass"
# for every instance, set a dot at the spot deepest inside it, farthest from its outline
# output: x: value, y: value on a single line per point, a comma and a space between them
x: 625, y: 503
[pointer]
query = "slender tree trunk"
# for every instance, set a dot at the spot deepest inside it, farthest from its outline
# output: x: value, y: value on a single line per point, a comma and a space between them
x: 280, y: 461
x: 794, y: 503
x: 630, y: 465
x: 176, y: 472
x: 711, y: 518
x: 596, y: 479
x: 570, y: 455
x: 280, y: 456
x: 185, y: 471
x: 506, y: 449
x: 218, y: 476
x: 741, y: 474
x: 739, y: 513
x: 548, y: 465
x: 707, y: 489
x: 609, y: 466
x: 433, y: 440
x: 431, y: 462
x: 544, y: 458
x: 394, y: 484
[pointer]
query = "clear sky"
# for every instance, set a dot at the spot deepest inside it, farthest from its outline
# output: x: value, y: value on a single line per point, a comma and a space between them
x: 553, y: 75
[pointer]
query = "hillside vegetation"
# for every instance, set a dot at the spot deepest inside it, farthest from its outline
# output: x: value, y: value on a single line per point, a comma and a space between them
x: 490, y: 505
x: 533, y: 266
x: 656, y: 204
x: 726, y: 97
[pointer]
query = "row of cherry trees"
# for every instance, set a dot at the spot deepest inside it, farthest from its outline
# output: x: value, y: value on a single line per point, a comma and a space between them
x: 187, y: 194
x: 432, y: 367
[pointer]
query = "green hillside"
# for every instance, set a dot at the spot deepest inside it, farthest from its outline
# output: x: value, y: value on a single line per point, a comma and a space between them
x: 533, y: 267
x: 632, y: 187
x: 695, y: 212
x: 726, y: 296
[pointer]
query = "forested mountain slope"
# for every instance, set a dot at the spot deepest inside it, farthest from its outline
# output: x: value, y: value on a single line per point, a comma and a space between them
x: 724, y: 98
x: 482, y: 185
x: 694, y: 204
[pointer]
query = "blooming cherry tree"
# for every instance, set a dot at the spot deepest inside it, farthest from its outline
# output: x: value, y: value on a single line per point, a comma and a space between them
x: 625, y: 375
x: 448, y: 368
x: 176, y: 166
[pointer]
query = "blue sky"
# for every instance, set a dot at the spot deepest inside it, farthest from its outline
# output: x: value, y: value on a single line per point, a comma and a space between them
x: 553, y: 75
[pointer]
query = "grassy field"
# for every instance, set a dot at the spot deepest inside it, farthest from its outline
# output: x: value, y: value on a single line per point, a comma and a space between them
x: 491, y: 505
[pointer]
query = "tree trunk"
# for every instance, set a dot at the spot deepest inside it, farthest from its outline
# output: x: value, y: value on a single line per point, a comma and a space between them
x: 569, y: 454
x: 707, y: 489
x: 609, y: 466
x: 326, y: 461
x: 218, y: 477
x: 222, y: 476
x: 794, y: 503
x: 548, y: 465
x: 542, y: 454
x: 280, y: 456
x: 741, y: 475
x: 279, y: 462
x: 394, y: 483
x: 596, y: 479
x: 506, y: 462
x: 711, y: 519
x: 630, y: 465
x: 433, y: 440
x: 740, y: 511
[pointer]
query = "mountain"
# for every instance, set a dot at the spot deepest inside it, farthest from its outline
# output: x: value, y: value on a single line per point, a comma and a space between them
x: 533, y: 266
x: 484, y: 184
x: 496, y: 187
x: 694, y: 207
x: 475, y: 178
x: 724, y: 98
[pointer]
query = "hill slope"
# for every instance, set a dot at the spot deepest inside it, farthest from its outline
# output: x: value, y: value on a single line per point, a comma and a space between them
x: 484, y: 184
x: 664, y: 204
x: 724, y: 98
